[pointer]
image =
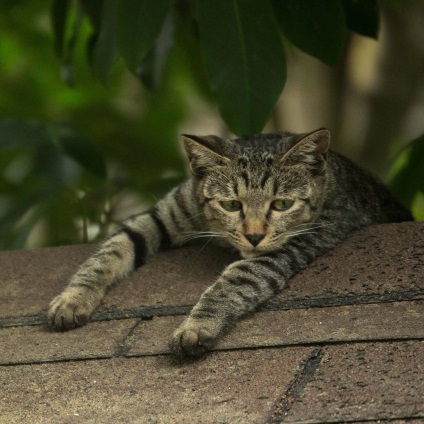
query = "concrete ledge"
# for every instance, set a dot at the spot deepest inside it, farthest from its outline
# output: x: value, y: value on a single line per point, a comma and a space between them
x: 345, y: 341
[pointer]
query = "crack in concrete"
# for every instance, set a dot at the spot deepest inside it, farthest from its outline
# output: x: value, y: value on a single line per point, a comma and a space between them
x: 296, y: 386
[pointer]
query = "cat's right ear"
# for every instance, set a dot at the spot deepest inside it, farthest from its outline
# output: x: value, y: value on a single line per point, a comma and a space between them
x: 311, y: 150
x: 204, y: 152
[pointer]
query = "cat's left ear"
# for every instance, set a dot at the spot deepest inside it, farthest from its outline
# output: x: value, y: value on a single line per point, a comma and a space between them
x: 311, y: 150
x: 204, y: 152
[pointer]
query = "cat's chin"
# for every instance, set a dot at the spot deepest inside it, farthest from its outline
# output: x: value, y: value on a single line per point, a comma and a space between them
x: 252, y: 253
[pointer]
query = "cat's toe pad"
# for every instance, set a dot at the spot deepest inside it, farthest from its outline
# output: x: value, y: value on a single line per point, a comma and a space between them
x: 193, y: 340
x: 69, y: 311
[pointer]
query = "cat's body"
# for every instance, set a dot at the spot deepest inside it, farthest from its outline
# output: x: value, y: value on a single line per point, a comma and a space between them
x: 280, y: 199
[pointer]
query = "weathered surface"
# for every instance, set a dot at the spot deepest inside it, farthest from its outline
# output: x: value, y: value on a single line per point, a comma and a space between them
x: 99, y: 340
x: 365, y: 381
x: 222, y: 388
x: 344, y: 342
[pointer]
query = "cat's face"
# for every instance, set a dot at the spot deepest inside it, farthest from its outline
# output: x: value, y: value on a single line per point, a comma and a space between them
x: 259, y: 209
x: 258, y: 200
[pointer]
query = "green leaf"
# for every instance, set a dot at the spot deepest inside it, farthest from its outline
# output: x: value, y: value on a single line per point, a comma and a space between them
x: 139, y: 23
x: 395, y: 5
x: 417, y: 206
x: 79, y: 148
x: 152, y: 67
x: 17, y: 238
x: 314, y: 28
x: 104, y: 54
x: 69, y: 48
x: 362, y: 16
x: 94, y: 10
x: 58, y: 18
x: 16, y: 134
x: 10, y: 216
x: 60, y: 225
x: 245, y: 60
x: 406, y: 177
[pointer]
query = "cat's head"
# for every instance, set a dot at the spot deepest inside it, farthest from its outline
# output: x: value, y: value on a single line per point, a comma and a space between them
x: 259, y: 191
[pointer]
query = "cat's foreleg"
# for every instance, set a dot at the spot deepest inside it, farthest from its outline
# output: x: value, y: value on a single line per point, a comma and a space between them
x: 138, y: 238
x: 241, y: 288
x: 118, y: 256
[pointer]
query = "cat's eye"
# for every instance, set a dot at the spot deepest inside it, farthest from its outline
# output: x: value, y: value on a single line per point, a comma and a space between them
x: 231, y: 205
x: 281, y: 204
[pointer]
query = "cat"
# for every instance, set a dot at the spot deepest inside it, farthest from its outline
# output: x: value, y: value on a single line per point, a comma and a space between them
x: 281, y: 200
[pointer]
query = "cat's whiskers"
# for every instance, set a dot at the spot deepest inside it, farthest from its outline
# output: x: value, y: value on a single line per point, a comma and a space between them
x: 298, y: 233
x: 193, y: 235
x: 309, y: 229
x: 191, y: 218
x: 313, y: 225
x: 276, y: 240
x: 207, y: 242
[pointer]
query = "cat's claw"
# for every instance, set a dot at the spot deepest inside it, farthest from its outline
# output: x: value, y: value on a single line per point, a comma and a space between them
x: 193, y: 340
x: 68, y: 311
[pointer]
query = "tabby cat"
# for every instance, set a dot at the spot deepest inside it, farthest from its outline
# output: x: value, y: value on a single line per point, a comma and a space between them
x: 281, y: 200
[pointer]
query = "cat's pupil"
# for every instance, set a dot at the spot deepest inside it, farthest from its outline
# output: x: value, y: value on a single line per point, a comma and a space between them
x: 281, y: 204
x: 231, y: 205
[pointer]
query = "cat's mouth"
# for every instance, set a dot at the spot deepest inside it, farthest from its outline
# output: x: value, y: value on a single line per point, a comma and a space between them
x: 250, y: 245
x: 248, y: 250
x: 254, y: 251
x: 257, y: 246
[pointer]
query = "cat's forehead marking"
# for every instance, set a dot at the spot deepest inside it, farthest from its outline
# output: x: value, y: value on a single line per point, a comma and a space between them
x: 256, y: 183
x: 263, y: 144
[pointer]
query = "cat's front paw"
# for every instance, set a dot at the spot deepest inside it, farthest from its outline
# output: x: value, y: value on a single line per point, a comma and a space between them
x: 194, y: 338
x: 70, y: 309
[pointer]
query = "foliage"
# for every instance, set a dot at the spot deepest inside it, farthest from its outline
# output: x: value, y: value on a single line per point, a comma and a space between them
x: 240, y: 42
x: 44, y: 168
x: 406, y: 176
x: 56, y: 141
x: 72, y: 153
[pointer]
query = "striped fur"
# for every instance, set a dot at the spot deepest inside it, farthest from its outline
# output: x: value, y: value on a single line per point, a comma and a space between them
x: 281, y: 200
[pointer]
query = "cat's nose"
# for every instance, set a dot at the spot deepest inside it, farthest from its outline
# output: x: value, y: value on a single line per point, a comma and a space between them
x: 254, y: 239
